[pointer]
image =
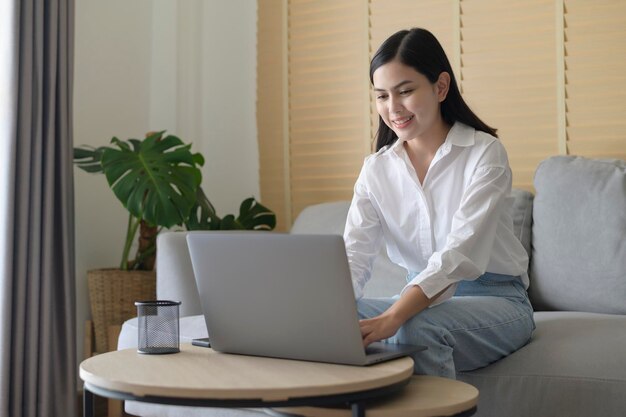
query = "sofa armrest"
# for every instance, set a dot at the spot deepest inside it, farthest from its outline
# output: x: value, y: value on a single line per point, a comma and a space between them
x: 174, y: 272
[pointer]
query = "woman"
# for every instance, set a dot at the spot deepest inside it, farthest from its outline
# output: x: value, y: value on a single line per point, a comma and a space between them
x: 436, y: 192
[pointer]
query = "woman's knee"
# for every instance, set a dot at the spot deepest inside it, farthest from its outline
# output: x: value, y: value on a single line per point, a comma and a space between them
x: 419, y: 331
x: 437, y: 359
x: 372, y: 307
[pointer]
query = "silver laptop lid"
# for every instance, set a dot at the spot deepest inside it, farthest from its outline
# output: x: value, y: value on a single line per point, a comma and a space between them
x: 280, y: 295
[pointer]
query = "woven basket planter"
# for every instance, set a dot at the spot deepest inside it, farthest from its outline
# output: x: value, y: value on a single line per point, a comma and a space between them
x: 112, y: 294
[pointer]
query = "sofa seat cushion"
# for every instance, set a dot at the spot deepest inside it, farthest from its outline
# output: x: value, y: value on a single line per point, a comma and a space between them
x: 573, y: 366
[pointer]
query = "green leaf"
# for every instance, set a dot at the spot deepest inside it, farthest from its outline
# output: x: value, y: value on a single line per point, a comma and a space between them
x: 156, y: 180
x: 255, y: 216
x: 202, y: 215
x: 89, y: 159
x: 229, y: 223
x: 252, y: 216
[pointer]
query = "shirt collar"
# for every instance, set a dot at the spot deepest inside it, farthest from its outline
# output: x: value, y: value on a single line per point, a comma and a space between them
x: 459, y: 135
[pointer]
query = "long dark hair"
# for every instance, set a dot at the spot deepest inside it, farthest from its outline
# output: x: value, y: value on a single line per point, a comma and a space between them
x: 419, y: 49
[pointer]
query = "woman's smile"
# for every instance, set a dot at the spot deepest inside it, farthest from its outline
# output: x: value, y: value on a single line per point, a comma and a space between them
x: 403, y: 122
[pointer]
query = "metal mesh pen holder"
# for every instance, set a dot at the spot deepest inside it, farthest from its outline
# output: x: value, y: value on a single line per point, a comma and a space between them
x: 158, y: 326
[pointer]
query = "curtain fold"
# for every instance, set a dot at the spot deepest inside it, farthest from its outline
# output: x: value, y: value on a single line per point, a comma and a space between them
x: 37, y: 314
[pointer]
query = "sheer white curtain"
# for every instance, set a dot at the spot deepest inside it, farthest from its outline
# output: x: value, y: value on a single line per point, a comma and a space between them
x: 37, y: 295
x: 7, y: 132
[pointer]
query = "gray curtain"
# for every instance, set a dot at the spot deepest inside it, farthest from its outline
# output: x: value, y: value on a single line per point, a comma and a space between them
x: 38, y: 350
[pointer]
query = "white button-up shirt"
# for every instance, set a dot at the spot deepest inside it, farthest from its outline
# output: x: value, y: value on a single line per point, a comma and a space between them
x: 455, y: 226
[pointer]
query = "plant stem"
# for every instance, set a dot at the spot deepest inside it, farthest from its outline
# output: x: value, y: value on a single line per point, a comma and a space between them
x: 146, y: 250
x: 145, y: 254
x: 131, y: 230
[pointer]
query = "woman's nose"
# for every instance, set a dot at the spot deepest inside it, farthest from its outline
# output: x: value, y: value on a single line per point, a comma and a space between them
x: 395, y: 106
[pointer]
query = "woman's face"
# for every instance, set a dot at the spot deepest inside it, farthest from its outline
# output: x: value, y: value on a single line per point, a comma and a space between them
x: 407, y: 101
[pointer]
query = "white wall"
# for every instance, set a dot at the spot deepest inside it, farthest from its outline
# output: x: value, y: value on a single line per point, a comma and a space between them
x: 187, y: 66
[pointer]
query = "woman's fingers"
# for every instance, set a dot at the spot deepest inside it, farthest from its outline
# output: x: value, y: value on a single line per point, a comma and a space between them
x: 377, y: 328
x: 367, y: 340
x: 365, y: 328
x: 370, y: 331
x: 366, y: 331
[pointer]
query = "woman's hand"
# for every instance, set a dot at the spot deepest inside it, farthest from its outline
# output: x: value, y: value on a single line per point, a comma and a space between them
x: 412, y: 301
x: 379, y: 328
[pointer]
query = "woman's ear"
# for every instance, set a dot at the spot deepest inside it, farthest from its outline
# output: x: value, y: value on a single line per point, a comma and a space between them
x: 443, y: 85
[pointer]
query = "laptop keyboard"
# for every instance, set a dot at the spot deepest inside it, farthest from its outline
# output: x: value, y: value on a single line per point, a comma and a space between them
x: 370, y: 350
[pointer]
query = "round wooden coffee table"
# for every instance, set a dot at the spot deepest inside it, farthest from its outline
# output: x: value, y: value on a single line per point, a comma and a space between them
x: 424, y: 396
x: 199, y: 376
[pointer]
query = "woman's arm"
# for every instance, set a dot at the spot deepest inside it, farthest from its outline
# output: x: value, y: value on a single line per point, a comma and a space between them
x: 412, y: 301
x: 362, y: 236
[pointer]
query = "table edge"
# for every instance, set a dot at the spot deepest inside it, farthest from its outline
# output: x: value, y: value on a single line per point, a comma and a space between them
x: 141, y: 390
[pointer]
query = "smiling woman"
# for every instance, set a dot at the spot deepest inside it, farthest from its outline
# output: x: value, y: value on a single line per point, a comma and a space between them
x: 435, y: 195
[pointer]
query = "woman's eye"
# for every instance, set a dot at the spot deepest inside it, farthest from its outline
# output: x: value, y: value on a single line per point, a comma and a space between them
x: 405, y: 92
x: 381, y: 96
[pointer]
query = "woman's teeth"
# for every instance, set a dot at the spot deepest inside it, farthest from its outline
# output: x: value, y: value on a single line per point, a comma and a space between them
x: 402, y: 122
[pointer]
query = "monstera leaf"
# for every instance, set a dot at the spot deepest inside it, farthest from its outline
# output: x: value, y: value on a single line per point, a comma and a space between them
x: 89, y: 159
x: 255, y: 216
x: 252, y: 216
x: 155, y: 179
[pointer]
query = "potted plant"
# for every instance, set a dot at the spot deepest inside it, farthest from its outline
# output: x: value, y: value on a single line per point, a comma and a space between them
x: 157, y: 180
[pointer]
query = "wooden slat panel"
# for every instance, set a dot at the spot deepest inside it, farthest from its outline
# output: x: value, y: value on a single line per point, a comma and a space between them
x: 309, y: 197
x: 327, y: 81
x: 388, y: 17
x: 595, y: 49
x: 508, y: 76
x: 270, y: 109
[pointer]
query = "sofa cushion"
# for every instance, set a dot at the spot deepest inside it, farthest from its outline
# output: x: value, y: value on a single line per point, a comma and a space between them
x: 522, y: 213
x: 579, y: 226
x: 574, y: 366
x: 323, y: 218
x: 174, y: 272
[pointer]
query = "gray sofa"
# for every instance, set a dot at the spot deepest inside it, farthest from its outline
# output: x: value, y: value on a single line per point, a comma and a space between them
x: 574, y: 229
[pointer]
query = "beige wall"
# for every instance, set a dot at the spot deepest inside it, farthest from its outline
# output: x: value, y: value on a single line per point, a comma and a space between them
x: 186, y: 66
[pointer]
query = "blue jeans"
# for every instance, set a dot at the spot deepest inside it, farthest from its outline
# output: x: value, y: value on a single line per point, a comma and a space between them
x: 487, y: 319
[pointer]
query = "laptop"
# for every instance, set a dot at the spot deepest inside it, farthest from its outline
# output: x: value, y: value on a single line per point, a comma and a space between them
x: 283, y: 296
